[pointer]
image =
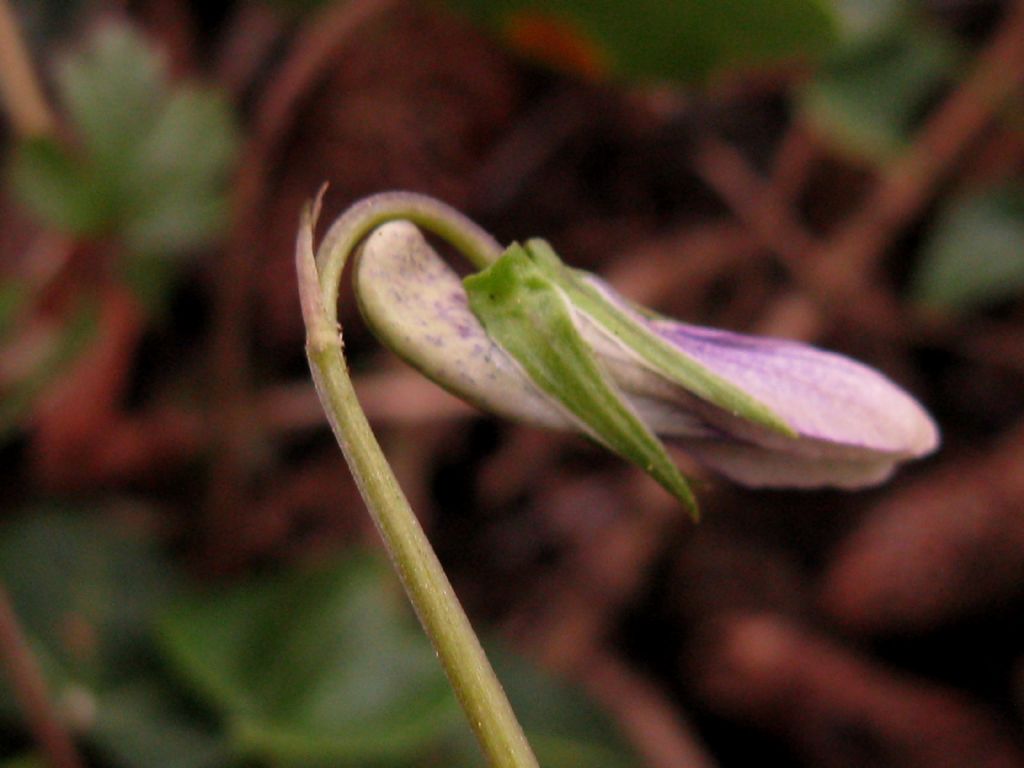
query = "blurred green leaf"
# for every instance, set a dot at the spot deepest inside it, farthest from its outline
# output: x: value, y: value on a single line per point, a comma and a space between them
x: 138, y: 725
x: 30, y: 760
x: 864, y: 19
x: 974, y: 253
x: 321, y: 667
x: 60, y: 188
x: 656, y: 40
x: 113, y: 90
x: 18, y: 396
x: 326, y: 667
x: 85, y: 591
x: 151, y: 160
x: 176, y: 186
x: 871, y: 94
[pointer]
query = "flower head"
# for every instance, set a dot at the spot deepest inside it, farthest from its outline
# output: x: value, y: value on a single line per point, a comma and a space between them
x: 531, y: 339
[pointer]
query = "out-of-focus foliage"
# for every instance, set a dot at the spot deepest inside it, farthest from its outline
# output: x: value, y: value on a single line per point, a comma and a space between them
x: 24, y: 761
x: 873, y: 90
x: 688, y: 41
x: 86, y: 594
x: 151, y: 671
x: 149, y: 162
x: 974, y: 252
x: 44, y: 20
x: 316, y: 666
x: 325, y: 667
x: 53, y: 348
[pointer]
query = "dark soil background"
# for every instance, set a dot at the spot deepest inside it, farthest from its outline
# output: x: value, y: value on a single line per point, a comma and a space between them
x: 876, y: 628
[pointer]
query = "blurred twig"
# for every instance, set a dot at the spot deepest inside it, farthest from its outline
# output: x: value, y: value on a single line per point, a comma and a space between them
x: 839, y: 708
x: 30, y: 689
x: 771, y: 219
x: 251, y: 33
x: 838, y: 269
x: 756, y: 203
x: 394, y: 397
x: 950, y: 544
x: 793, y: 162
x: 658, y: 731
x: 909, y: 183
x: 571, y: 612
x: 315, y: 46
x: 29, y: 111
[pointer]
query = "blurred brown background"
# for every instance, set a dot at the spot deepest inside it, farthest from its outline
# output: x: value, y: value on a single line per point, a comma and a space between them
x: 877, y: 628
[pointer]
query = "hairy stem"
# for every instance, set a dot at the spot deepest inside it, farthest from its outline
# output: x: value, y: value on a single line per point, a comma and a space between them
x: 472, y: 678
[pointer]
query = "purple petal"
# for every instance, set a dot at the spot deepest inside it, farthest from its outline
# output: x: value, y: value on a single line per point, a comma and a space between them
x: 824, y: 396
x: 756, y: 466
x: 853, y: 424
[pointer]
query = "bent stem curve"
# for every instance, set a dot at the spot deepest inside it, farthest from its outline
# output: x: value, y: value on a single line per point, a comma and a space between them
x: 357, y: 222
x: 472, y: 678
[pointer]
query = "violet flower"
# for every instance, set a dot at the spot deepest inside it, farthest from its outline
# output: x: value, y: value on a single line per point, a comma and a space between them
x: 762, y: 411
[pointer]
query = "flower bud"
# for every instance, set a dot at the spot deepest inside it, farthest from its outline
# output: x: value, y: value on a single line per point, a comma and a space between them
x: 531, y: 339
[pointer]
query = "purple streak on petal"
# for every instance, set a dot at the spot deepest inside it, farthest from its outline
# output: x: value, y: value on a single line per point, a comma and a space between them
x: 415, y: 303
x: 822, y: 395
x: 854, y: 425
x: 839, y: 407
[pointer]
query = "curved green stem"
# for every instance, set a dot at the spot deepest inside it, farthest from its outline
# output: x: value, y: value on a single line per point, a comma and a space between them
x: 349, y: 229
x: 472, y: 678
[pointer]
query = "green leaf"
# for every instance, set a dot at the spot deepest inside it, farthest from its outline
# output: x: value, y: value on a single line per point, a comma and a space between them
x: 59, y: 188
x: 163, y: 150
x: 74, y: 336
x: 176, y: 185
x: 865, y: 19
x: 29, y: 760
x: 974, y: 253
x: 656, y: 40
x: 872, y: 93
x: 85, y: 591
x: 531, y: 318
x: 150, y: 162
x: 652, y: 350
x: 320, y: 667
x: 140, y: 725
x: 113, y: 90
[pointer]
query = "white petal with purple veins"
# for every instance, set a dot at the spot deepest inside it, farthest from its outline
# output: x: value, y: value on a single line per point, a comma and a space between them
x: 852, y: 425
x: 416, y: 305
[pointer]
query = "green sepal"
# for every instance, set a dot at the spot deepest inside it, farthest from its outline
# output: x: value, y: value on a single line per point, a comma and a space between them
x: 656, y: 353
x: 530, y: 316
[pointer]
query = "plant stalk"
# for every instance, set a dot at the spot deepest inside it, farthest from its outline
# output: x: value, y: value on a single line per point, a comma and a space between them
x: 472, y: 678
x: 27, y: 106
